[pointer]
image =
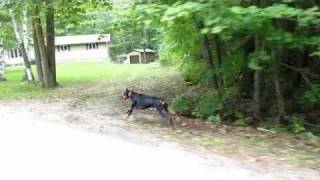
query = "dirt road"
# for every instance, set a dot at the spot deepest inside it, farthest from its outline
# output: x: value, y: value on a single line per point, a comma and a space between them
x: 40, y: 141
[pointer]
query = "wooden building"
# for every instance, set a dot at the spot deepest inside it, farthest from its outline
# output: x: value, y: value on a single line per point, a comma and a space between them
x: 139, y: 56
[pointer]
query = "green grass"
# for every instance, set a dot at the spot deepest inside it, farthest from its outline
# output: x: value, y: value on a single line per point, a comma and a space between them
x: 72, y: 74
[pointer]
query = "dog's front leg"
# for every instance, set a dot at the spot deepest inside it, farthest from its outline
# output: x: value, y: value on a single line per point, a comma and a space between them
x: 129, y: 112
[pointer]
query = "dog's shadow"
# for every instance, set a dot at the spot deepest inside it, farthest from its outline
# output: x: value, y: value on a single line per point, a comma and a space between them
x: 150, y: 118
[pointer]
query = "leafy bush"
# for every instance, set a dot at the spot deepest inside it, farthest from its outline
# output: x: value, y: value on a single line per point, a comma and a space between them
x: 296, y: 124
x: 258, y: 60
x: 183, y: 104
x: 216, y: 119
x: 241, y: 119
x: 204, y: 105
x: 192, y: 71
x: 209, y: 104
x: 312, y: 96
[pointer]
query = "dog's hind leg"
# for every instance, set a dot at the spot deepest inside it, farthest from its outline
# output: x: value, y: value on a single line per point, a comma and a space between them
x: 164, y: 113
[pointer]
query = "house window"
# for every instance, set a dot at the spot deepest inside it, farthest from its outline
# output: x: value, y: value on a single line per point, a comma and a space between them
x: 92, y: 46
x: 14, y: 53
x: 63, y: 48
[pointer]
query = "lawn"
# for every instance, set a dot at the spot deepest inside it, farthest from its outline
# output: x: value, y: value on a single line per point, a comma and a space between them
x: 73, y: 74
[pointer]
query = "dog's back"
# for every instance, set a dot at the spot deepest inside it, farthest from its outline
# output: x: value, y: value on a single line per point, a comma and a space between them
x: 145, y: 101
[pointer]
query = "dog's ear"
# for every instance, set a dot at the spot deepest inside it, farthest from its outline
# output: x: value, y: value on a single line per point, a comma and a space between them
x: 132, y: 90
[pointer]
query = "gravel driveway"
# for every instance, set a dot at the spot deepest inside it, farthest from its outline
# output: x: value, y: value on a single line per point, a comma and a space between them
x: 34, y: 146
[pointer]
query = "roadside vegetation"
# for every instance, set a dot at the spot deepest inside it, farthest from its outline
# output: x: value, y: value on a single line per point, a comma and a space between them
x: 246, y: 62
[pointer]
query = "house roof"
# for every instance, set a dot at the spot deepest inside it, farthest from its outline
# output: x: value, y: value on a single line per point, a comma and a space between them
x: 141, y: 50
x: 82, y: 39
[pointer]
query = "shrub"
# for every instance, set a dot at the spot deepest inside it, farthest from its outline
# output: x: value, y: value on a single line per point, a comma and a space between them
x: 192, y: 71
x: 296, y: 124
x: 216, y: 119
x: 312, y: 96
x: 209, y: 104
x: 241, y: 119
x: 183, y: 104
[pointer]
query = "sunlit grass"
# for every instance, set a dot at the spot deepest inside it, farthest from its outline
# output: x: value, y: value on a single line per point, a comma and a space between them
x: 73, y: 74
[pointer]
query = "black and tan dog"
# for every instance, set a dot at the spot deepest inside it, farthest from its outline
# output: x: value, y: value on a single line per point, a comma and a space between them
x: 142, y: 101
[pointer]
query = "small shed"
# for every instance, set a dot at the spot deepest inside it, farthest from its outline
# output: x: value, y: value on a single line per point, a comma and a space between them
x: 141, y: 56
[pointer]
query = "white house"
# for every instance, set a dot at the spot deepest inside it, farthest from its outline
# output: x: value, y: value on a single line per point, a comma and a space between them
x: 14, y: 57
x: 93, y: 47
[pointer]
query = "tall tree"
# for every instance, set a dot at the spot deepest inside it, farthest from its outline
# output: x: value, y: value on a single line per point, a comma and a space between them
x: 22, y: 47
x: 50, y: 27
x: 35, y: 22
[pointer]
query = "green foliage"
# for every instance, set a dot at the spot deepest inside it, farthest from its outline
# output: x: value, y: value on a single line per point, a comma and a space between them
x: 296, y: 124
x: 183, y: 104
x: 192, y: 71
x: 216, y: 119
x: 209, y: 104
x: 180, y: 42
x: 312, y: 96
x: 258, y: 60
x: 241, y: 119
x: 251, y: 38
x: 204, y: 104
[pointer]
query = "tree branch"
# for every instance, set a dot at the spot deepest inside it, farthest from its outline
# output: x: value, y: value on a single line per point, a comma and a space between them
x: 302, y: 72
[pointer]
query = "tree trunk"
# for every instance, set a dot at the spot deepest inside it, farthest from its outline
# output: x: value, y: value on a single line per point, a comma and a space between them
x: 36, y: 45
x: 144, y: 53
x: 276, y: 82
x: 246, y: 75
x: 144, y: 45
x: 257, y: 79
x: 219, y: 58
x: 28, y: 71
x: 256, y: 85
x: 51, y: 44
x: 280, y: 102
x: 207, y: 54
x: 43, y: 53
x: 131, y: 39
x: 26, y: 33
x: 256, y: 94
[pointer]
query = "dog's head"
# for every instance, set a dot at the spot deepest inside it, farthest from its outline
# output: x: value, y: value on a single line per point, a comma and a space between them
x: 127, y: 94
